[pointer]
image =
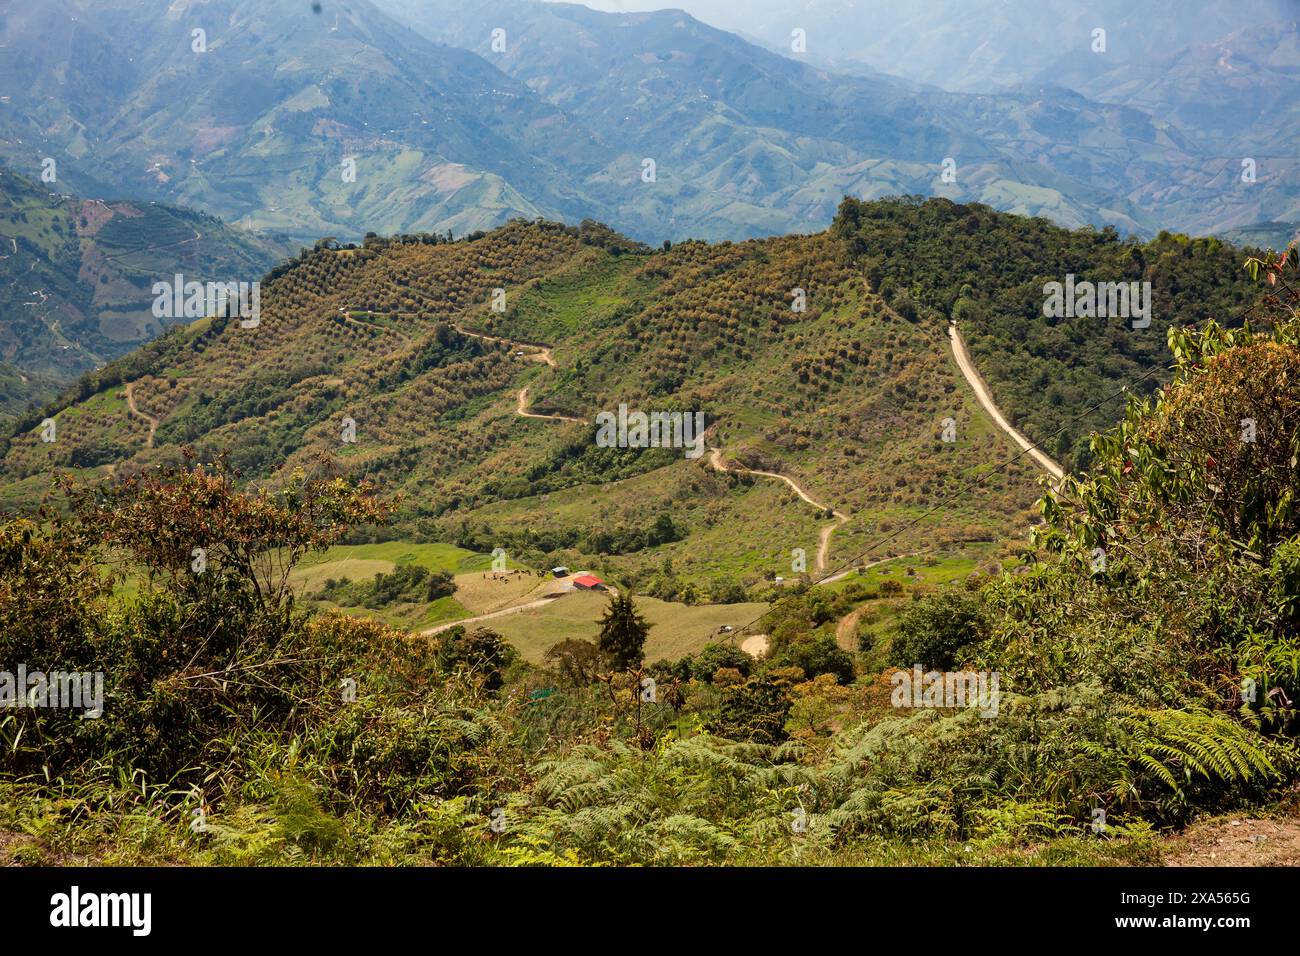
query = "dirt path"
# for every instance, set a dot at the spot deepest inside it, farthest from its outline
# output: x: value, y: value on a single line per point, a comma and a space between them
x: 534, y: 353
x: 1236, y: 841
x: 522, y: 404
x: 870, y: 564
x: 847, y: 628
x: 967, y: 366
x: 551, y: 590
x: 130, y: 404
x: 513, y: 609
x: 824, y: 538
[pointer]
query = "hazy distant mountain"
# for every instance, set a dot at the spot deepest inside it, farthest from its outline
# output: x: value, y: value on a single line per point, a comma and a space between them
x: 746, y: 128
x: 260, y: 124
x: 657, y: 123
x: 977, y: 45
x: 1226, y: 75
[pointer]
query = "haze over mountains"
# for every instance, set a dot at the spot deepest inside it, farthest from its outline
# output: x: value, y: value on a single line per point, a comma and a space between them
x: 559, y: 119
x: 980, y: 46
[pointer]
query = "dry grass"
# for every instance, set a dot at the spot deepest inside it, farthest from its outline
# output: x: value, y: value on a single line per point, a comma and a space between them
x: 482, y: 595
x: 676, y: 629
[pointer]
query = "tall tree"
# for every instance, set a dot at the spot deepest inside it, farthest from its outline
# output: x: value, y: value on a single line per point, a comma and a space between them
x: 623, y: 631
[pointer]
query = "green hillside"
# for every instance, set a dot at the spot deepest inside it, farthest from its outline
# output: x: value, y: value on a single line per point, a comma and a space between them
x: 847, y: 399
x: 76, y: 278
x: 844, y: 398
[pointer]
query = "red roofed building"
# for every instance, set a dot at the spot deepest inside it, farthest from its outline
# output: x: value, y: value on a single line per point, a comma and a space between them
x: 589, y: 582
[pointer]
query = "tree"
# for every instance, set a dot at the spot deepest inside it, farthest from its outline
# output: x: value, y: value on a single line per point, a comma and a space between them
x: 578, y: 661
x: 754, y: 711
x: 219, y: 533
x: 933, y: 631
x: 816, y: 656
x: 623, y: 632
x: 481, y: 652
x: 716, y: 656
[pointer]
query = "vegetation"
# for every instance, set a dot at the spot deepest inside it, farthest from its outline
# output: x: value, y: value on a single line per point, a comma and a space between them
x: 76, y: 278
x: 623, y: 632
x: 1060, y: 378
x: 409, y: 583
x: 1140, y: 648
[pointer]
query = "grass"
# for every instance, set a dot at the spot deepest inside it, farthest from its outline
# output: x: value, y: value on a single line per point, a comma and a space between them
x: 435, y: 557
x: 482, y: 595
x: 931, y: 569
x: 308, y: 580
x: 676, y: 629
x: 362, y: 561
x: 408, y: 617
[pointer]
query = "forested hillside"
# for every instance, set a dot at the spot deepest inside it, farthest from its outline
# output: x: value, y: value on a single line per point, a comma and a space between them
x: 841, y: 394
x: 1059, y: 378
x: 798, y: 366
x: 1131, y: 669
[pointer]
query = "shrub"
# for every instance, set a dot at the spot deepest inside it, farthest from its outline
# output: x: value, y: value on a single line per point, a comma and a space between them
x: 935, y: 629
x: 816, y: 656
x: 713, y: 656
x: 483, y: 653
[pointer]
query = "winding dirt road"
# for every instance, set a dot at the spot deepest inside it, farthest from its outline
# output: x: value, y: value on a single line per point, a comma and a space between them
x: 824, y: 538
x: 976, y: 382
x: 522, y: 405
x: 131, y: 406
x: 534, y: 353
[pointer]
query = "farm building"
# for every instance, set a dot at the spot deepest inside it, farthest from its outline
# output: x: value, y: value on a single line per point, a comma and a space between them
x: 589, y: 582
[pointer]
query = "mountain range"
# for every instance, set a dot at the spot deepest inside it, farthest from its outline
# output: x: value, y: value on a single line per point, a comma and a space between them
x: 397, y: 116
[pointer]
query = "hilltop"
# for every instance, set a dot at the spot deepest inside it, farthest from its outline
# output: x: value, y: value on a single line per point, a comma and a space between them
x: 488, y: 438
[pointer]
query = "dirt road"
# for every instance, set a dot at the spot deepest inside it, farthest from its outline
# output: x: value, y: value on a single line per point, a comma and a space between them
x: 130, y: 404
x: 824, y: 538
x: 534, y: 353
x: 967, y: 366
x: 522, y: 405
x: 513, y: 609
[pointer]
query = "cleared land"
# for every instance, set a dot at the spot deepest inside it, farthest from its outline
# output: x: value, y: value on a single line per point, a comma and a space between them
x: 676, y: 629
